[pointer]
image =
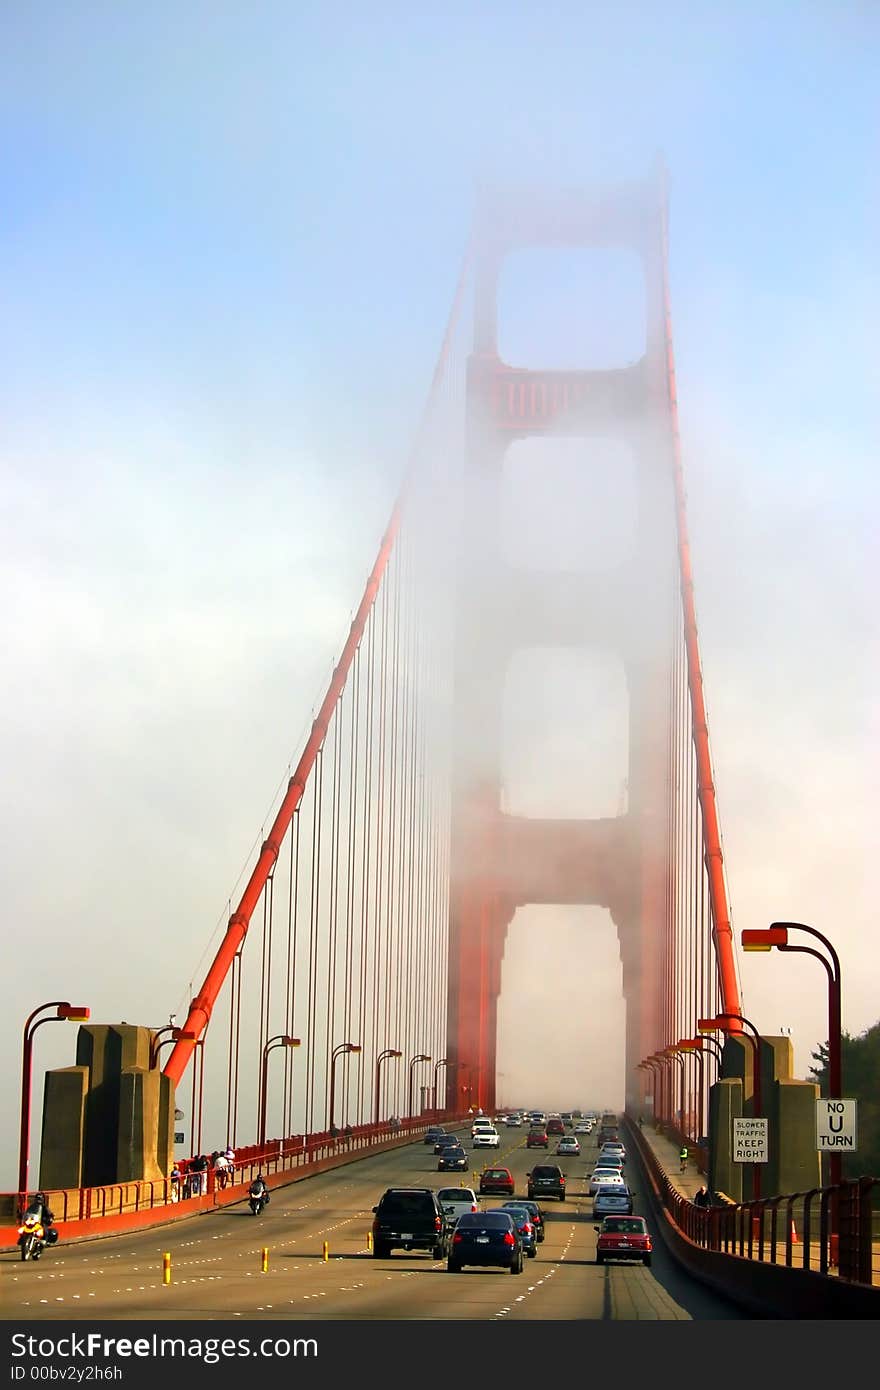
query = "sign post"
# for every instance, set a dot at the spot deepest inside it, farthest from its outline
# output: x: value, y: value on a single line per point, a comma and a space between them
x: 836, y: 1126
x: 749, y: 1139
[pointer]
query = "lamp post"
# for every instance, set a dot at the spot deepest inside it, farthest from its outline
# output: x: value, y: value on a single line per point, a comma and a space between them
x: 723, y: 1021
x: 383, y: 1057
x: 419, y: 1057
x: 176, y: 1034
x: 74, y: 1013
x: 441, y: 1062
x: 777, y: 935
x: 280, y: 1040
x: 695, y: 1047
x: 339, y: 1050
x: 648, y: 1066
x: 665, y: 1076
x: 673, y: 1051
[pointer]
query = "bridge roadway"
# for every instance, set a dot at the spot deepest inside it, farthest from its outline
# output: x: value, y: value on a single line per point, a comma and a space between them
x: 216, y: 1259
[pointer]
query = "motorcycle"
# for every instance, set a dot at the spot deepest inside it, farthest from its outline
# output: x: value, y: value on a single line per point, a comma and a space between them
x: 257, y: 1201
x: 31, y: 1237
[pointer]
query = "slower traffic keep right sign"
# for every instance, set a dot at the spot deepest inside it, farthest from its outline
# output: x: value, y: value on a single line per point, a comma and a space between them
x: 836, y: 1125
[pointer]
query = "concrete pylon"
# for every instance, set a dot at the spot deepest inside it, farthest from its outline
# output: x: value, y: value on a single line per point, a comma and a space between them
x: 110, y: 1118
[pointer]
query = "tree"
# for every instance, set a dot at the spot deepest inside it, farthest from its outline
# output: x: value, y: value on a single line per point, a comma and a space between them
x: 860, y: 1069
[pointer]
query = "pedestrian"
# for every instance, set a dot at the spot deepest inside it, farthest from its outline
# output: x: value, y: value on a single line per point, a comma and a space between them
x: 175, y: 1182
x: 221, y: 1169
x: 683, y: 1158
x: 701, y: 1198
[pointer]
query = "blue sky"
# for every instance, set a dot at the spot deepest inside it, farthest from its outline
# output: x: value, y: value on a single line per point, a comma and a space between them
x: 231, y: 235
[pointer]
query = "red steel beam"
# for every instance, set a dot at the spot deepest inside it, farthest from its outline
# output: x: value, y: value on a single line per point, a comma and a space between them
x: 202, y: 1005
x: 706, y: 787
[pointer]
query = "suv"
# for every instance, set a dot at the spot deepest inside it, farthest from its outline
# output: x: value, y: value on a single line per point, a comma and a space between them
x: 410, y: 1218
x: 546, y: 1180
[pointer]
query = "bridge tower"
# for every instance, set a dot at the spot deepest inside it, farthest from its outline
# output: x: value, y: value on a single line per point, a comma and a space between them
x: 500, y: 861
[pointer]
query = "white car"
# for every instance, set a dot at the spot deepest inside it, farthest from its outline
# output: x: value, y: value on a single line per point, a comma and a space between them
x: 479, y: 1123
x: 600, y: 1176
x: 513, y: 1121
x: 486, y: 1137
x: 457, y: 1200
x: 613, y: 1150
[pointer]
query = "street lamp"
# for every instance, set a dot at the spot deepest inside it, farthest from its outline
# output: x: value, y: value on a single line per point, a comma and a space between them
x: 695, y: 1046
x: 339, y: 1050
x: 280, y: 1040
x: 176, y: 1035
x: 723, y: 1021
x: 442, y: 1062
x: 383, y: 1057
x: 673, y: 1051
x: 74, y: 1013
x: 667, y: 1102
x: 777, y: 935
x: 419, y: 1057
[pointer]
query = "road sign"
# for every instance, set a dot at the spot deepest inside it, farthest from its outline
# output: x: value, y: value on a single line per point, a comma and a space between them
x: 749, y: 1140
x: 179, y: 1136
x: 836, y: 1125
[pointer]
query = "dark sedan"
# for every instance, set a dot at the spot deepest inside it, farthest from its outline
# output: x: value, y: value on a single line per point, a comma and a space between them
x: 453, y: 1159
x: 527, y: 1233
x: 446, y: 1141
x: 485, y: 1238
x: 536, y: 1214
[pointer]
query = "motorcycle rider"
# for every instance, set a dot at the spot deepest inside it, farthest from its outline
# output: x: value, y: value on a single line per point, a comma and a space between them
x: 39, y: 1207
x: 258, y: 1192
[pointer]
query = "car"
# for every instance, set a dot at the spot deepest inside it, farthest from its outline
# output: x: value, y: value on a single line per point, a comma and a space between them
x: 497, y: 1180
x: 605, y: 1175
x: 433, y: 1133
x: 524, y: 1224
x: 546, y: 1180
x: 453, y: 1160
x: 446, y: 1141
x: 409, y: 1218
x: 604, y: 1160
x: 537, y: 1138
x: 568, y: 1144
x: 486, y: 1138
x: 485, y: 1238
x: 567, y: 1118
x: 455, y: 1201
x: 624, y: 1238
x: 537, y: 1217
x: 555, y: 1125
x: 613, y: 1148
x: 513, y: 1121
x: 613, y: 1199
x: 583, y: 1127
x: 481, y: 1122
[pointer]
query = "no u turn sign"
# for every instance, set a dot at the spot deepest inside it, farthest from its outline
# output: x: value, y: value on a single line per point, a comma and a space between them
x: 836, y: 1125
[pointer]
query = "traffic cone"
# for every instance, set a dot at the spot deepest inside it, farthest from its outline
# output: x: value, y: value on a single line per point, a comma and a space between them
x: 795, y: 1238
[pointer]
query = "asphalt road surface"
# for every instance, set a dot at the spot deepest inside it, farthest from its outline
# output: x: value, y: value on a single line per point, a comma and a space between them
x: 308, y: 1257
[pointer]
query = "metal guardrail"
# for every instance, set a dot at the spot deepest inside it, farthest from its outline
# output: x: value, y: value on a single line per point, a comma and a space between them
x: 827, y: 1230
x: 278, y: 1161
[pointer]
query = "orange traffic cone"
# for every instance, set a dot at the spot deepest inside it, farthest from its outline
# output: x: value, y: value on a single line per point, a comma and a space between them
x: 795, y: 1238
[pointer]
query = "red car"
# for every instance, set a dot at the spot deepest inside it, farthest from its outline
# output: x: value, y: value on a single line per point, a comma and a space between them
x: 497, y: 1180
x: 624, y: 1238
x: 537, y: 1138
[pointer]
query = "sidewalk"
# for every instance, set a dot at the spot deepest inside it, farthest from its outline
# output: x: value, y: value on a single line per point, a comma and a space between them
x: 666, y: 1153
